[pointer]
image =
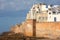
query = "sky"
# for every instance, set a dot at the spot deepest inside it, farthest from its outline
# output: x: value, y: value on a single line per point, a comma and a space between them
x: 13, y: 12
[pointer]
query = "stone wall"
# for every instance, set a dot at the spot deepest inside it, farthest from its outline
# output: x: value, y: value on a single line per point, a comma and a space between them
x: 43, y: 29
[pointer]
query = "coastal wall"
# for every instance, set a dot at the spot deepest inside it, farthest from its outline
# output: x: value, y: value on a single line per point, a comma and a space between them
x: 48, y: 29
x: 43, y: 29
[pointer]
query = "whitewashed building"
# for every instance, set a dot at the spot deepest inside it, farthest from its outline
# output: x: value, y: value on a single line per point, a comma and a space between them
x: 42, y: 13
x: 38, y: 12
x: 54, y: 13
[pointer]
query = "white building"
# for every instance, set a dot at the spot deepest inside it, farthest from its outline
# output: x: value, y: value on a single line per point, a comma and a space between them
x: 43, y: 14
x: 38, y: 12
x: 54, y: 13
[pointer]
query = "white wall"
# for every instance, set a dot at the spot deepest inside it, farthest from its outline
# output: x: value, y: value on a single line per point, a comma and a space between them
x: 51, y: 17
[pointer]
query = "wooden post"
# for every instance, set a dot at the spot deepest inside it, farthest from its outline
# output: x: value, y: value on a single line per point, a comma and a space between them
x: 34, y: 27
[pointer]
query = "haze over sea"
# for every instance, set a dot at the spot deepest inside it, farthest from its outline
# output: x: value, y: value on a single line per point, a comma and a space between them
x: 14, y: 11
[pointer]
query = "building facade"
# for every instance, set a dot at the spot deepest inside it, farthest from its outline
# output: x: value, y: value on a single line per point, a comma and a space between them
x: 42, y: 13
x: 54, y: 13
x: 38, y: 12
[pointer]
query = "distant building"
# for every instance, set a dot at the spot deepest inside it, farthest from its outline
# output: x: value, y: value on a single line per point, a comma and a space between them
x: 38, y: 12
x: 54, y: 13
x: 43, y: 14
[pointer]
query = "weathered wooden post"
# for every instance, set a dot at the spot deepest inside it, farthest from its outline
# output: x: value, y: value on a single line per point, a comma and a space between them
x: 34, y: 27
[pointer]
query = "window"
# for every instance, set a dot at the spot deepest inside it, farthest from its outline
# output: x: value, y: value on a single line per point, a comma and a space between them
x: 39, y: 17
x: 37, y: 12
x: 54, y: 12
x: 49, y: 12
x: 33, y: 7
x: 42, y: 18
x: 38, y: 7
x: 54, y: 19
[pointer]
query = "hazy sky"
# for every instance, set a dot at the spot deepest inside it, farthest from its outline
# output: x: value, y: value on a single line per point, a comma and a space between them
x: 14, y: 5
x: 14, y: 11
